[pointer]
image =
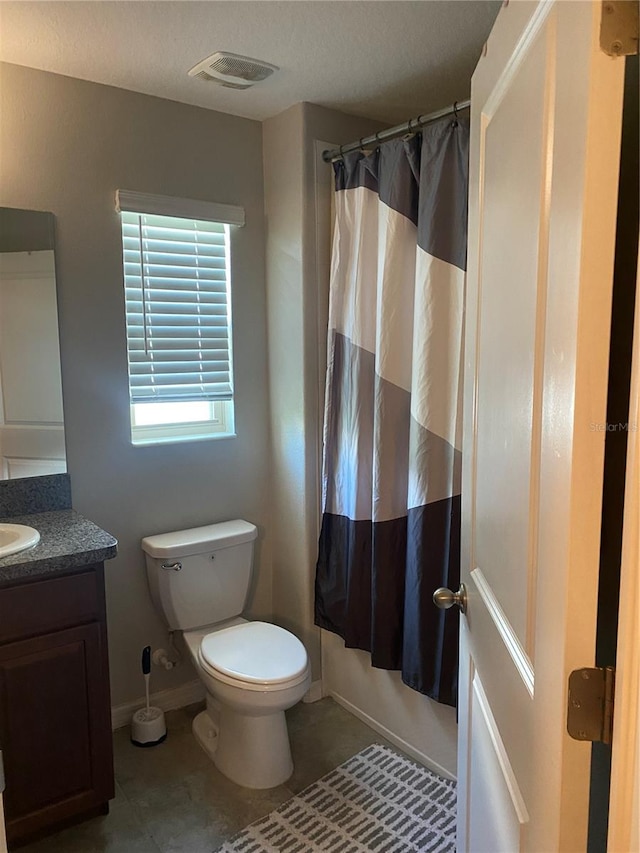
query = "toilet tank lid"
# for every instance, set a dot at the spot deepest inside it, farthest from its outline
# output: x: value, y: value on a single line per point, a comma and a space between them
x: 200, y: 540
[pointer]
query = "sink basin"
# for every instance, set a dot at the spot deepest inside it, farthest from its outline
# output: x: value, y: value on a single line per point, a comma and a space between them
x: 16, y: 537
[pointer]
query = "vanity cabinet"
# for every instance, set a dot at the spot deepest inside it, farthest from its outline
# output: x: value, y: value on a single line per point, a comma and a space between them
x: 55, y: 719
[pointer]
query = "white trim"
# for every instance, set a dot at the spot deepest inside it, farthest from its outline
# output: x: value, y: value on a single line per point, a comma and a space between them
x: 520, y: 53
x: 500, y: 752
x: 168, y: 700
x: 186, y: 208
x: 505, y: 629
x: 315, y: 693
x: 391, y: 737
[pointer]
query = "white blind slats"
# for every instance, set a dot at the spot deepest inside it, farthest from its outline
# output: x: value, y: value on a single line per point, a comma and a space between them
x: 179, y: 356
x: 193, y: 254
x: 175, y: 368
x: 172, y: 338
x: 178, y: 382
x: 177, y: 308
x: 169, y: 258
x: 171, y: 342
x: 162, y: 310
x: 180, y: 378
x: 201, y: 272
x: 177, y: 330
x: 176, y: 229
x: 178, y: 294
x: 175, y: 282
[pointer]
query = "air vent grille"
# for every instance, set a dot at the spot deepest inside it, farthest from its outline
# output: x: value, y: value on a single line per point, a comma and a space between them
x: 237, y: 67
x: 231, y: 70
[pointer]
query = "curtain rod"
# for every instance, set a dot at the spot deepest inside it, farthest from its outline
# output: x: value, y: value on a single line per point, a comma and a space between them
x: 392, y: 132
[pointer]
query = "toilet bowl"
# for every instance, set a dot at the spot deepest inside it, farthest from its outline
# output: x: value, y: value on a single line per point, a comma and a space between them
x: 252, y: 671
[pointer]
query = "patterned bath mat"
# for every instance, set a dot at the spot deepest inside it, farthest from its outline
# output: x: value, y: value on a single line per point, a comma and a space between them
x: 376, y: 802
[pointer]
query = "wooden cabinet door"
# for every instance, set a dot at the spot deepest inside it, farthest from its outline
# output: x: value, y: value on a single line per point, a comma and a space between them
x: 55, y: 728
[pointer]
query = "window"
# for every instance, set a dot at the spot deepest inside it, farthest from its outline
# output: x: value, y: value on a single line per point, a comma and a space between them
x: 178, y: 314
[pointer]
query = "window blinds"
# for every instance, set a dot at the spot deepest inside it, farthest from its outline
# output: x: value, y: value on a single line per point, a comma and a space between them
x: 178, y: 312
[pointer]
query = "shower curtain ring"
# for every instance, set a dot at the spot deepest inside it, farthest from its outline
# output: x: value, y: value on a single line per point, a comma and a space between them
x: 455, y: 113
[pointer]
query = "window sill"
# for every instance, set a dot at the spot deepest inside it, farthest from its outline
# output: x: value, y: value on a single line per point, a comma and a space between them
x: 186, y: 439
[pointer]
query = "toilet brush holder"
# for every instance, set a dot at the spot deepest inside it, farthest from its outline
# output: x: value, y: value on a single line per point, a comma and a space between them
x: 148, y: 727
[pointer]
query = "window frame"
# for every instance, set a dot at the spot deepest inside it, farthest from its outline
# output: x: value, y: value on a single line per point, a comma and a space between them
x: 221, y: 420
x: 221, y: 424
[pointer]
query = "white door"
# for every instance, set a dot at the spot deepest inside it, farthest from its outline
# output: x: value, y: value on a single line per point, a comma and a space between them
x: 546, y: 120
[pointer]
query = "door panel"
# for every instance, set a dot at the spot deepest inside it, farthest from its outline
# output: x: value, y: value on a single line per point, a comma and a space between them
x: 496, y: 811
x: 507, y: 361
x: 546, y: 110
x: 498, y: 795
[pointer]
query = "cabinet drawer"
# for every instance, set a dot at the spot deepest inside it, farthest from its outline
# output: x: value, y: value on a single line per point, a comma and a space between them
x: 50, y: 604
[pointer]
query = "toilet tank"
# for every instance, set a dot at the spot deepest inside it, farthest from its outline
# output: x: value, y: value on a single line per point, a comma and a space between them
x: 200, y: 576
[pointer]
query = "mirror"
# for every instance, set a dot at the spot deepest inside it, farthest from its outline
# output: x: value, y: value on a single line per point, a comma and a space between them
x: 31, y: 419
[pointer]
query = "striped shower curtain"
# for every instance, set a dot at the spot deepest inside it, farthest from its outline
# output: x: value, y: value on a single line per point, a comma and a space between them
x: 392, y: 433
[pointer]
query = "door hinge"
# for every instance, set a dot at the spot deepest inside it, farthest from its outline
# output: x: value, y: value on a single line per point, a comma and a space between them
x: 590, y: 704
x: 620, y: 27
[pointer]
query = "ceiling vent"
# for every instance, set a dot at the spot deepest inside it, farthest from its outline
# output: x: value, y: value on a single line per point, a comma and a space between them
x: 231, y: 70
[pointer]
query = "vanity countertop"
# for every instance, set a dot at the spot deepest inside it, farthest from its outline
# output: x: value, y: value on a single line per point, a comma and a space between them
x: 67, y: 541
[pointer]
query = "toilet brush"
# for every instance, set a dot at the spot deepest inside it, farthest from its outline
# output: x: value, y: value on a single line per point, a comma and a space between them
x: 148, y: 727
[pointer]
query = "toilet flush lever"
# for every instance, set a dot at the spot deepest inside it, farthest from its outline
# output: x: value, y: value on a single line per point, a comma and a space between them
x: 174, y: 567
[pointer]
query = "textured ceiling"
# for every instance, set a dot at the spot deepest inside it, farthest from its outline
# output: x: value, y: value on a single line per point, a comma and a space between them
x: 385, y: 60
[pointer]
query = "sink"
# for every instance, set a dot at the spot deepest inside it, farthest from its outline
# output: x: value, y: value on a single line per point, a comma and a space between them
x: 16, y: 537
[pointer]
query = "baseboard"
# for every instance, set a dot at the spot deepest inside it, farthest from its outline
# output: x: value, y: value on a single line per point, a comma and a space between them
x: 390, y: 736
x: 168, y: 700
x: 315, y: 693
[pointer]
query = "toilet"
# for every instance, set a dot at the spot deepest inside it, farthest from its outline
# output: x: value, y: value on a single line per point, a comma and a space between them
x: 252, y: 671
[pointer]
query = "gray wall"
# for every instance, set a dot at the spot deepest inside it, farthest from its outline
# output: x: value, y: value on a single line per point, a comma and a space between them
x: 297, y: 294
x: 67, y: 145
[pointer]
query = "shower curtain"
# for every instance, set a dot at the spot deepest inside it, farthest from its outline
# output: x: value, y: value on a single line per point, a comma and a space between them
x: 392, y: 432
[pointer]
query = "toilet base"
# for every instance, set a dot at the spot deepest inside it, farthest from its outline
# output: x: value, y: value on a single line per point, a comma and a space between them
x: 253, y: 751
x: 206, y: 733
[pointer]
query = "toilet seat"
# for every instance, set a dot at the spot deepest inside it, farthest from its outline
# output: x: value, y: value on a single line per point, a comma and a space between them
x: 254, y: 656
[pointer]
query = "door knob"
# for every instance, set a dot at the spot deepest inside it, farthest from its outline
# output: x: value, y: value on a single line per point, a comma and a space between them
x: 444, y: 598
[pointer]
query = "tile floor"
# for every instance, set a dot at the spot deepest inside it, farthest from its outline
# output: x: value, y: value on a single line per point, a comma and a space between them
x: 171, y: 799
